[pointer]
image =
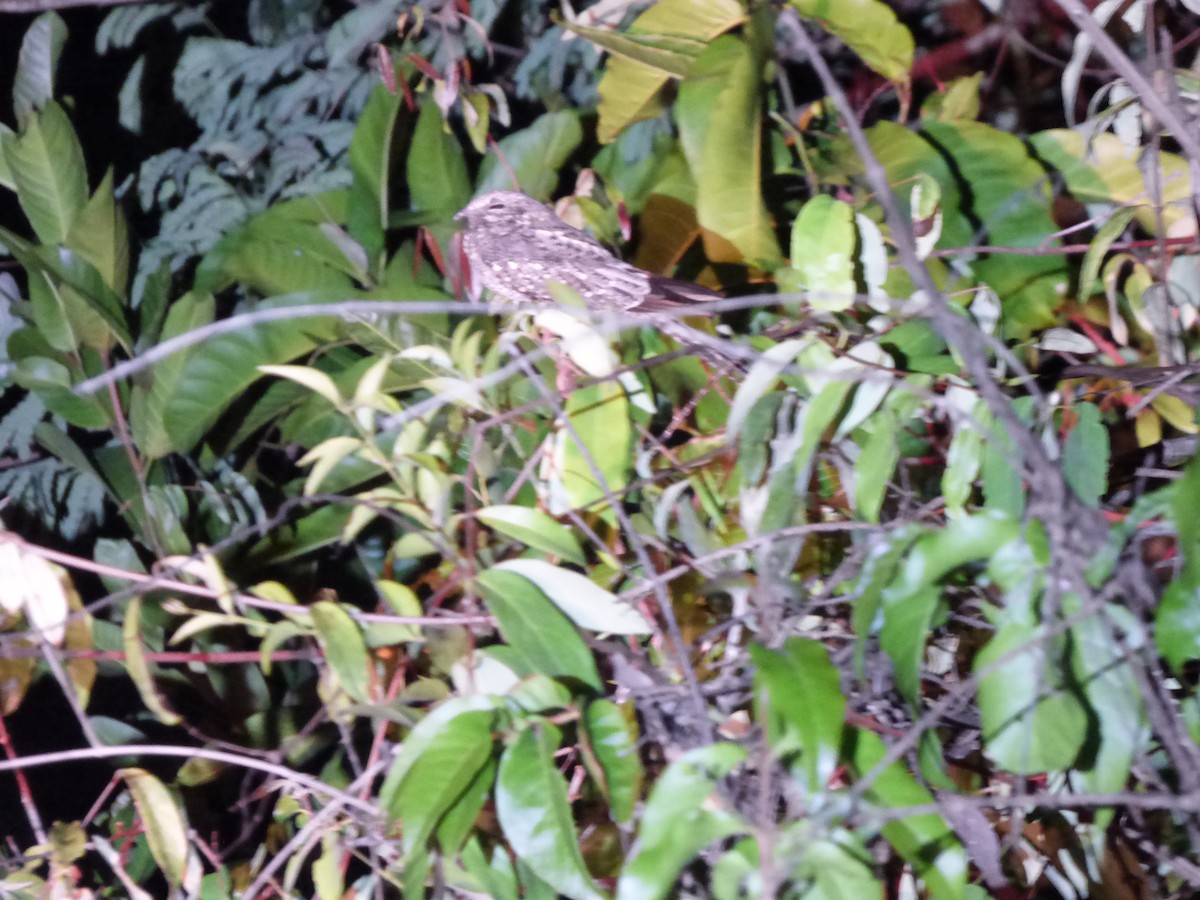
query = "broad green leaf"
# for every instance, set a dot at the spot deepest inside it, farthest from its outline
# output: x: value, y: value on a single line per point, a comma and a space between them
x: 1103, y: 671
x: 425, y: 735
x: 683, y: 816
x: 869, y: 28
x: 661, y: 43
x: 798, y: 697
x: 588, y: 604
x: 611, y: 753
x: 840, y: 868
x: 1177, y: 621
x: 37, y: 65
x: 220, y: 369
x: 600, y: 434
x: 993, y: 191
x: 368, y: 206
x: 101, y: 236
x: 1098, y: 168
x: 823, y: 242
x: 541, y: 636
x: 531, y: 804
x: 1086, y: 455
x: 533, y: 156
x: 152, y: 396
x: 161, y: 816
x: 437, y: 172
x: 51, y: 381
x: 533, y: 528
x: 344, y: 649
x: 1032, y: 720
x: 925, y: 841
x: 719, y: 114
x: 46, y: 163
x: 442, y: 774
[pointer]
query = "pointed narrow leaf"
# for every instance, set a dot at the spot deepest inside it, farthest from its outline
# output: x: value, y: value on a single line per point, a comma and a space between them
x: 531, y: 803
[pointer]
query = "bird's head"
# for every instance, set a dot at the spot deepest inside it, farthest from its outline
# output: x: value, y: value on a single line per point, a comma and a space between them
x: 500, y: 208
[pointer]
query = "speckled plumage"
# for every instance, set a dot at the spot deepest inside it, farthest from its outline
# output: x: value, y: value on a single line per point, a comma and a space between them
x: 515, y: 245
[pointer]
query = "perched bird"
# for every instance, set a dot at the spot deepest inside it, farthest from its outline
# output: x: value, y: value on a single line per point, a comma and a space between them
x: 515, y: 245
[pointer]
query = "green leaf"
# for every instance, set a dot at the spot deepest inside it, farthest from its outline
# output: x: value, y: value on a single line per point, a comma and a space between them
x: 51, y: 381
x: 165, y: 828
x: 993, y: 191
x: 37, y: 65
x: 600, y: 422
x: 1032, y: 720
x: 370, y: 154
x: 823, y: 242
x: 533, y: 156
x: 611, y: 754
x: 1177, y: 622
x: 683, y: 816
x: 152, y: 396
x: 660, y: 43
x: 1102, y: 668
x: 541, y: 636
x: 442, y: 775
x: 798, y: 695
x: 46, y: 163
x: 344, y: 649
x: 533, y: 528
x: 437, y: 171
x: 588, y: 604
x: 219, y: 370
x: 869, y: 28
x: 926, y: 841
x: 1086, y: 455
x: 719, y: 114
x: 531, y: 804
x: 101, y: 236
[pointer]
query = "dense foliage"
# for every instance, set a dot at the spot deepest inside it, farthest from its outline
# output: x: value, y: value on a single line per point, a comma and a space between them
x: 348, y: 582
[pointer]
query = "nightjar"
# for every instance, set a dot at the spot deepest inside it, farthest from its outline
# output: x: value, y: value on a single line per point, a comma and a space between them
x: 515, y: 245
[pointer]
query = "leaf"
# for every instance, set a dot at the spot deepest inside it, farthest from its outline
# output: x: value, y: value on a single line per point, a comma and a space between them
x: 600, y: 434
x: 588, y: 605
x: 154, y: 395
x: 1177, y: 620
x: 542, y: 638
x: 219, y: 370
x: 368, y: 206
x: 437, y: 172
x: 531, y: 804
x: 533, y: 528
x: 610, y: 742
x: 533, y: 156
x: 823, y: 242
x: 37, y: 65
x: 46, y: 163
x: 797, y: 694
x: 719, y: 114
x: 439, y: 777
x: 100, y: 235
x: 660, y: 43
x: 683, y: 816
x: 869, y: 28
x: 344, y: 649
x: 137, y: 667
x: 1086, y: 455
x: 165, y: 827
x: 926, y: 841
x: 1032, y: 720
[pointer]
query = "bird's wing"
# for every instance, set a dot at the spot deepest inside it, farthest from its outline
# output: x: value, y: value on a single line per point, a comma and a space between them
x: 672, y: 294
